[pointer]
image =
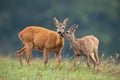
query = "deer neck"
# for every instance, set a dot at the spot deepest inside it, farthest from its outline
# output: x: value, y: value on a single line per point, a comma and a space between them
x: 60, y: 40
x: 73, y: 41
x: 61, y: 37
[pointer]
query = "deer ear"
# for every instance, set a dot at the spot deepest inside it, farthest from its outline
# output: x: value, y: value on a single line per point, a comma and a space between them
x: 73, y: 27
x: 65, y: 22
x: 55, y: 21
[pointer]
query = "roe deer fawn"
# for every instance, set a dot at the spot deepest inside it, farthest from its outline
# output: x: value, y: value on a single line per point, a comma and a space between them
x: 39, y: 38
x: 86, y: 46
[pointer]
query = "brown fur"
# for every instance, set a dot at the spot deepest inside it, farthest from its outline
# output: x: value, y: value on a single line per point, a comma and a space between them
x: 39, y: 38
x: 86, y: 46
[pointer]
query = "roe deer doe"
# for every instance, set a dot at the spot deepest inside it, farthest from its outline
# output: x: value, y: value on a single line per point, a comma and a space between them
x: 86, y: 46
x: 39, y: 38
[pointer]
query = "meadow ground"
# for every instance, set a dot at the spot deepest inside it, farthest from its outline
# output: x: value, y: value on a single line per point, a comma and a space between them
x: 10, y: 69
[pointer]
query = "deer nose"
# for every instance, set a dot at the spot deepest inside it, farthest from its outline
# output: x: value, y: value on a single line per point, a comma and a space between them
x: 59, y: 32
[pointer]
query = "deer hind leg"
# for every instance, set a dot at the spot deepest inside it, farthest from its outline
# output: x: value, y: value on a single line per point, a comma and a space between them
x: 45, y: 54
x: 92, y: 56
x: 29, y: 47
x: 96, y: 56
x: 19, y: 54
x: 58, y: 57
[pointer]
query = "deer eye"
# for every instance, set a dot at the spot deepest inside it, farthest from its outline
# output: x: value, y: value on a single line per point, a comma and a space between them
x: 67, y: 32
x: 57, y: 24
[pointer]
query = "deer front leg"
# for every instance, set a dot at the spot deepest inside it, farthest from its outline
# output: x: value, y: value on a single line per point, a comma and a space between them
x: 77, y: 54
x: 88, y: 61
x: 76, y: 59
x: 58, y: 57
x: 45, y: 54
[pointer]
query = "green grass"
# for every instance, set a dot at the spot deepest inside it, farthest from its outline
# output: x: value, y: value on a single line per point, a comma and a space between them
x: 10, y: 69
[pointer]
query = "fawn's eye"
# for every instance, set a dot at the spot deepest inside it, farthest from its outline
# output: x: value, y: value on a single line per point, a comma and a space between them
x: 67, y: 32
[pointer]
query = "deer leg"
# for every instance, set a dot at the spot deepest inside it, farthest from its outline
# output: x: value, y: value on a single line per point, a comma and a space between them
x: 20, y: 51
x: 29, y: 47
x: 92, y: 56
x: 19, y: 54
x: 58, y: 58
x: 45, y: 54
x: 96, y: 56
x: 88, y: 61
x: 75, y: 60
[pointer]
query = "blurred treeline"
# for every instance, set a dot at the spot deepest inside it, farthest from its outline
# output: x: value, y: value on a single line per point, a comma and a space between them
x: 97, y: 17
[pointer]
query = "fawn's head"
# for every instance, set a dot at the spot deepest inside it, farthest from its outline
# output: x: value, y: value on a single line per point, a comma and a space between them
x: 60, y: 26
x: 69, y: 34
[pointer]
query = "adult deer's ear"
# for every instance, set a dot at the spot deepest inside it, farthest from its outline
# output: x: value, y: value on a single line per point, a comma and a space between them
x: 55, y: 21
x: 73, y: 27
x: 65, y: 22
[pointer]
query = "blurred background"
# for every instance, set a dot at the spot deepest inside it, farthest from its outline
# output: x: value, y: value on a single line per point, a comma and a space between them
x: 94, y: 17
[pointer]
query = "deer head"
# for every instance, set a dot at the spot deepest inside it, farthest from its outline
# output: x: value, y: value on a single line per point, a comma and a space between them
x: 69, y: 34
x: 60, y: 26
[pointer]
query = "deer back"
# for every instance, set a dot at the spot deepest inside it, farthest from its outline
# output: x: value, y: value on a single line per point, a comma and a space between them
x: 88, y: 44
x: 41, y: 37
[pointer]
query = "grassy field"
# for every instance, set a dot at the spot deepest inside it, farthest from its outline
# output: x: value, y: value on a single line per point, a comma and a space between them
x: 10, y: 69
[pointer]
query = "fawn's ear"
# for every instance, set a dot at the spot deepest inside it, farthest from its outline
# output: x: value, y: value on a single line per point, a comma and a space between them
x: 55, y: 21
x: 73, y: 27
x: 65, y: 22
